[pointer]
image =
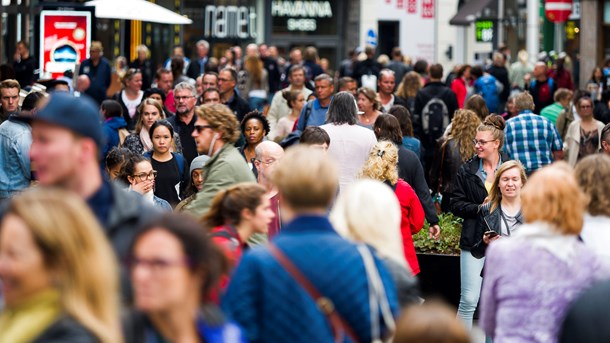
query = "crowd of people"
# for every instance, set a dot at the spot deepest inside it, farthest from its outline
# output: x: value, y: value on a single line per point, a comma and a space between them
x: 256, y: 199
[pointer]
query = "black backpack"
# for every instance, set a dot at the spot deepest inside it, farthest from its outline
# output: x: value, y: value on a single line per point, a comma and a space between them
x: 435, y: 118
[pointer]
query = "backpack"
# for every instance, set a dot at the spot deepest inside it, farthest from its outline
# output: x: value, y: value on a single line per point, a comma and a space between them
x: 435, y: 118
x: 294, y: 136
x: 369, y: 80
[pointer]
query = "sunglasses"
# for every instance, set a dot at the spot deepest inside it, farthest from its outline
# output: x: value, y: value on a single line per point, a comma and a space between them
x: 200, y: 128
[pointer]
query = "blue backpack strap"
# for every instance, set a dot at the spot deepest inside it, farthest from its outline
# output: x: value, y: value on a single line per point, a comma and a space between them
x: 180, y: 161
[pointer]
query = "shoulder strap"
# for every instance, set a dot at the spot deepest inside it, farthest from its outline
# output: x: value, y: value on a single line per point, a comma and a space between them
x: 308, y: 112
x: 325, y: 305
x: 440, y: 177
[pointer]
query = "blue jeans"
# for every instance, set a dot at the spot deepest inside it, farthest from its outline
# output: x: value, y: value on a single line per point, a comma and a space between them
x: 470, y: 276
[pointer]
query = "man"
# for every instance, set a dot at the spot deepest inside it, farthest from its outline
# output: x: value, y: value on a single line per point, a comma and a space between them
x: 267, y: 155
x: 312, y: 68
x: 530, y: 138
x: 216, y: 129
x: 347, y: 84
x: 145, y: 65
x: 177, y: 52
x: 562, y: 97
x: 499, y: 72
x: 386, y: 85
x: 295, y: 59
x: 272, y: 67
x: 209, y: 80
x: 82, y: 84
x: 227, y: 79
x: 264, y: 286
x: 211, y: 96
x: 434, y: 108
x: 397, y: 65
x: 316, y: 138
x: 197, y: 66
x: 542, y: 88
x: 9, y: 98
x: 199, y: 89
x: 346, y: 67
x: 98, y: 69
x: 164, y: 80
x: 279, y: 106
x: 560, y: 74
x: 366, y: 72
x: 24, y: 65
x: 314, y: 112
x: 486, y: 86
x: 184, y: 120
x: 59, y: 86
x: 66, y: 141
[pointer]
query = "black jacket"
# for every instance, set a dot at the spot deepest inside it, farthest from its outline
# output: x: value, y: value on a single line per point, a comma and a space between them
x: 411, y: 171
x: 466, y: 199
x: 66, y: 330
x: 366, y: 67
x: 587, y: 318
x: 432, y: 90
x: 488, y: 221
x: 148, y: 71
x: 238, y: 106
x: 445, y: 166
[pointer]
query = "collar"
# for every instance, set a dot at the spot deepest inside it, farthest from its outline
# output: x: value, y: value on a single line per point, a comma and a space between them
x: 482, y: 170
x: 545, y: 236
x: 526, y: 112
x: 309, y: 223
x: 318, y: 106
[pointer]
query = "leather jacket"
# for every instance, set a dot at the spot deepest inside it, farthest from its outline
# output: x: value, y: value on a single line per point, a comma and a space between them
x: 489, y: 221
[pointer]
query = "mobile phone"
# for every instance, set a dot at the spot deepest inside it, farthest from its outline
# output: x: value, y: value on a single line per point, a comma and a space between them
x: 490, y: 234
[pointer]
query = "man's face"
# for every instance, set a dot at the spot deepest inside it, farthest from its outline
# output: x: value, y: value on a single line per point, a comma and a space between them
x: 203, y: 136
x: 225, y: 82
x: 56, y: 152
x: 95, y: 54
x: 178, y: 52
x: 324, y: 89
x: 211, y: 98
x: 209, y: 81
x: 21, y: 50
x: 297, y: 78
x: 539, y: 70
x: 263, y: 50
x: 185, y: 101
x: 268, y: 162
x: 9, y: 97
x: 166, y: 82
x: 201, y: 51
x: 351, y: 87
x: 386, y: 84
x: 199, y: 86
x: 296, y: 56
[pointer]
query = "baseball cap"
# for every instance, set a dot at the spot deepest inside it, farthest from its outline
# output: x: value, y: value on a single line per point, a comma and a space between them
x: 79, y: 115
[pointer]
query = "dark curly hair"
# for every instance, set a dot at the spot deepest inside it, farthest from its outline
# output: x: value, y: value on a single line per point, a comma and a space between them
x: 255, y: 115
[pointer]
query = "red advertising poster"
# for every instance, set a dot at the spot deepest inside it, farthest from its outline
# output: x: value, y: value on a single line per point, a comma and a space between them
x: 427, y: 9
x: 400, y: 4
x: 411, y: 6
x: 65, y: 37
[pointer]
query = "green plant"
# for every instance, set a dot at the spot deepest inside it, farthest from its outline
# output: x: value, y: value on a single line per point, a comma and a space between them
x: 449, y: 242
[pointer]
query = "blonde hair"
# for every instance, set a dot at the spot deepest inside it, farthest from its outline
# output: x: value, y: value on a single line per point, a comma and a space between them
x: 464, y: 127
x: 432, y: 322
x: 593, y: 175
x: 368, y: 211
x: 409, y: 86
x: 495, y: 196
x: 524, y: 101
x: 221, y: 119
x: 150, y: 102
x: 74, y: 246
x: 254, y: 66
x: 306, y: 178
x: 552, y: 195
x: 382, y: 163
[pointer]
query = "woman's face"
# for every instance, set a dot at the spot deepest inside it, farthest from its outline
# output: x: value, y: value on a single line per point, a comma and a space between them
x: 254, y: 131
x: 510, y: 183
x: 150, y: 114
x: 262, y: 216
x: 486, y: 146
x: 299, y: 102
x: 22, y: 269
x: 585, y: 108
x: 598, y: 74
x: 511, y: 107
x: 143, y: 173
x: 114, y: 172
x: 160, y: 274
x: 364, y: 104
x: 161, y: 139
x: 197, y: 178
x: 135, y: 83
x: 466, y: 73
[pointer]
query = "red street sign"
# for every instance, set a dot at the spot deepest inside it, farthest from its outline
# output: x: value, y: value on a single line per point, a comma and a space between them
x: 558, y: 11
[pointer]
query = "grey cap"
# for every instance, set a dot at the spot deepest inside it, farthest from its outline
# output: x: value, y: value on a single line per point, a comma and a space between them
x: 198, y: 162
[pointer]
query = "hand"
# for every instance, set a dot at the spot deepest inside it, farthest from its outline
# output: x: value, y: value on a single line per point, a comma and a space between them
x: 434, y: 232
x: 527, y: 78
x: 17, y: 57
x: 143, y: 187
x: 488, y: 240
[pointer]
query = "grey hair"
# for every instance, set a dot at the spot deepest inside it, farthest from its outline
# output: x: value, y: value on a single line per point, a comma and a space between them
x: 142, y: 48
x: 204, y: 43
x: 185, y: 85
x: 324, y: 77
x: 342, y: 109
x: 386, y: 72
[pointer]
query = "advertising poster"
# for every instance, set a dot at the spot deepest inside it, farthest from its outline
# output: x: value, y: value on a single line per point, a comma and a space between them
x: 65, y: 37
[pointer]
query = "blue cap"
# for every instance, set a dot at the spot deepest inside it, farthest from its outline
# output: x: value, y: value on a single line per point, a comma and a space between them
x: 80, y: 115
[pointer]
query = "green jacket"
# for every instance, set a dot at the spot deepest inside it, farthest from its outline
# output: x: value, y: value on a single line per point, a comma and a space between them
x: 226, y: 168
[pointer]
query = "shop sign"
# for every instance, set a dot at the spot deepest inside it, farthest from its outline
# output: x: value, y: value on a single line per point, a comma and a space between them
x: 65, y: 38
x: 484, y: 30
x: 229, y: 22
x: 305, y: 17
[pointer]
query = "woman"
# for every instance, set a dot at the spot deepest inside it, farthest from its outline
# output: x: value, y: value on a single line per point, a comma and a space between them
x: 296, y: 101
x: 114, y: 125
x: 472, y: 185
x: 196, y: 181
x: 130, y: 96
x: 511, y: 108
x: 138, y: 173
x: 408, y: 88
x: 524, y: 299
x: 235, y: 215
x: 452, y: 152
x: 381, y: 166
x: 368, y: 212
x: 173, y: 268
x: 595, y: 84
x: 149, y: 112
x: 171, y: 167
x: 256, y: 83
x: 254, y: 127
x: 350, y: 143
x: 59, y: 274
x: 159, y: 95
x: 476, y: 104
x: 461, y: 84
x: 593, y: 176
x: 501, y: 215
x: 583, y: 136
x: 115, y: 160
x: 368, y: 107
x: 177, y: 68
x: 406, y: 127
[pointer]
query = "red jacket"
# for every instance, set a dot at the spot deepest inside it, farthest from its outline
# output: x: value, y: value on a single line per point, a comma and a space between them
x: 458, y: 86
x: 227, y: 239
x: 412, y: 221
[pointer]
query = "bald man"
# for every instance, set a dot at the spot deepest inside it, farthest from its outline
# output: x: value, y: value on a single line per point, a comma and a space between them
x: 267, y: 156
x: 82, y: 84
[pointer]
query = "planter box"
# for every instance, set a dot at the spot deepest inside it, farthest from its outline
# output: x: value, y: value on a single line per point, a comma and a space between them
x: 440, y: 277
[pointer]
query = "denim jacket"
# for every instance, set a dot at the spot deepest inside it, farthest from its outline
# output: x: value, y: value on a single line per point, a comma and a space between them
x: 15, y: 142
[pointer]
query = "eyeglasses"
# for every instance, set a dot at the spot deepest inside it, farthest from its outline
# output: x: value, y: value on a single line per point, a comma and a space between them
x: 154, y: 264
x: 180, y: 98
x: 143, y: 176
x: 200, y: 128
x: 585, y: 106
x: 481, y: 142
x: 269, y: 162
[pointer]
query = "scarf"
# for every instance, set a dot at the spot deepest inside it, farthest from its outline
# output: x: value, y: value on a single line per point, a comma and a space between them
x: 28, y: 320
x: 145, y: 139
x: 544, y: 236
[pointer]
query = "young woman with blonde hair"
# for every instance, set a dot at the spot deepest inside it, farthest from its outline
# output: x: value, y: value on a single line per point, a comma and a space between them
x: 59, y: 274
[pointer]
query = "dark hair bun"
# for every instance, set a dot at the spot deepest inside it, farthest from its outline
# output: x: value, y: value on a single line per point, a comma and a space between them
x: 286, y: 95
x: 496, y: 121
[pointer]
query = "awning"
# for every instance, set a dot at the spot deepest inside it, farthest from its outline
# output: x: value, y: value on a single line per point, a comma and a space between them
x: 469, y: 12
x: 136, y: 10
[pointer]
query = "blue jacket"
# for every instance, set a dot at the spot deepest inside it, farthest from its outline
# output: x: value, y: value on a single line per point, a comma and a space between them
x: 111, y: 132
x: 15, y: 142
x: 272, y: 307
x: 487, y: 88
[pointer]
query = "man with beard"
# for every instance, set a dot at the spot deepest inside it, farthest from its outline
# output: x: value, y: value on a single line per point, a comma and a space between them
x: 184, y: 120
